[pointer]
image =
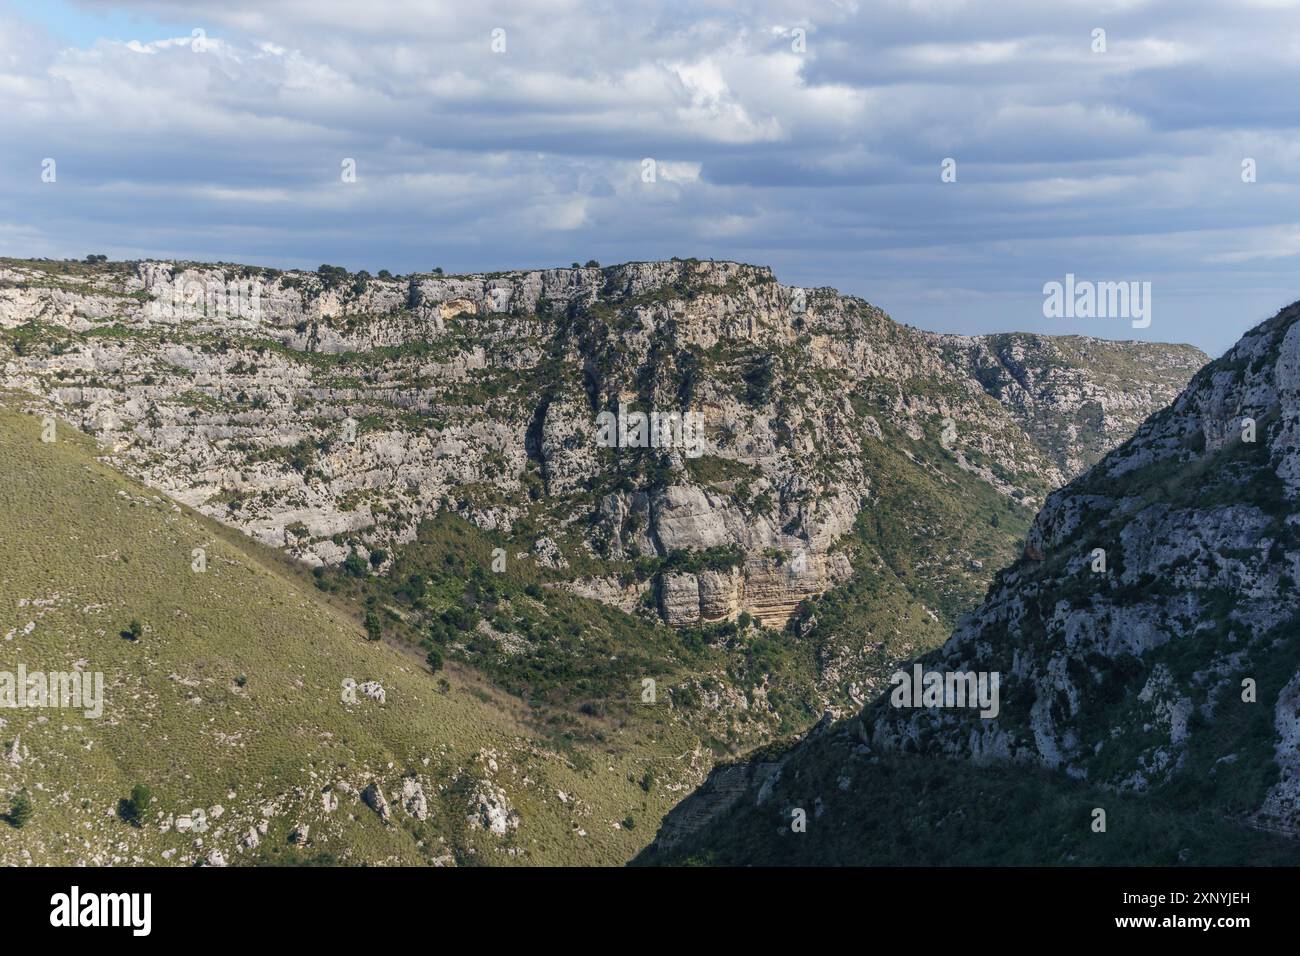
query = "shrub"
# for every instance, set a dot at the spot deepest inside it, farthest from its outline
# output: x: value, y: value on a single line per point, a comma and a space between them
x: 378, y: 557
x: 133, y: 808
x: 20, y: 811
x: 374, y: 627
x: 435, y: 660
x: 355, y: 565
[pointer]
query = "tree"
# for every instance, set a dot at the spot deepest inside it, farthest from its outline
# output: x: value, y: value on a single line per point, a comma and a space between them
x: 374, y: 626
x: 20, y: 811
x: 593, y: 264
x: 435, y: 660
x: 378, y: 557
x: 132, y: 809
x: 355, y: 565
x: 332, y: 277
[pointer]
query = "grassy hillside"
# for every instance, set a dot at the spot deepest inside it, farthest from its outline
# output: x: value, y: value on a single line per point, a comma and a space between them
x: 231, y: 698
x: 231, y: 701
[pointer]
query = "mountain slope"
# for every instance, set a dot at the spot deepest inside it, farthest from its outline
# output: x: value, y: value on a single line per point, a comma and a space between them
x: 1169, y: 670
x: 329, y: 414
x: 232, y: 701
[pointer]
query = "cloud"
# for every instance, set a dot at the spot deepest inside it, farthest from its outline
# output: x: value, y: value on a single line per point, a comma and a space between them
x: 223, y: 133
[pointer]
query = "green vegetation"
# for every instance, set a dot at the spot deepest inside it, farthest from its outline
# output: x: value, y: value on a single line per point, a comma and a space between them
x: 20, y: 811
x: 910, y: 811
x: 570, y: 660
x: 132, y: 809
x: 176, y: 702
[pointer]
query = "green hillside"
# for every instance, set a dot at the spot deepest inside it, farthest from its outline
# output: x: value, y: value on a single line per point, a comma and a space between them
x: 232, y: 698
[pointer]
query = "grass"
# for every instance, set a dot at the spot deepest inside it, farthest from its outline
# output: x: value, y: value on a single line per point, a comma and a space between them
x: 232, y: 698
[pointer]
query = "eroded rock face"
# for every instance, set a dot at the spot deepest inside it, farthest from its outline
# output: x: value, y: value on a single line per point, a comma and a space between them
x: 491, y: 810
x: 1157, y: 604
x: 323, y: 414
x: 373, y: 797
x: 769, y: 591
x: 413, y: 799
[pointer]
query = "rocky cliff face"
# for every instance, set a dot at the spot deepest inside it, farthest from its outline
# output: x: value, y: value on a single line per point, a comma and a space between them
x: 1151, y: 634
x: 1146, y: 648
x: 326, y: 413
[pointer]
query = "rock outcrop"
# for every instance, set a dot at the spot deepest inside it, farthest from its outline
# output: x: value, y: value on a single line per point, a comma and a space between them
x: 1152, y: 630
x: 326, y: 413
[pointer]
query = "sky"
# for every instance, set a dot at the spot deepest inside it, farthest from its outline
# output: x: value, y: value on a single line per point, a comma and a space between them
x: 808, y: 136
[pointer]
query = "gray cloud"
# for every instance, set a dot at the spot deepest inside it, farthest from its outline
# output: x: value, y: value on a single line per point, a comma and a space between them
x: 822, y: 162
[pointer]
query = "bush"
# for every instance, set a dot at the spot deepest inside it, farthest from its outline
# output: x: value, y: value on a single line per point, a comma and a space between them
x: 20, y: 811
x: 459, y: 618
x: 355, y: 565
x: 133, y: 808
x: 374, y: 627
x: 378, y: 557
x: 332, y: 276
x: 134, y: 630
x: 435, y: 660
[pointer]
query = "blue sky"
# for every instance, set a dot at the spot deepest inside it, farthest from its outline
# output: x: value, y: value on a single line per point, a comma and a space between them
x: 816, y: 152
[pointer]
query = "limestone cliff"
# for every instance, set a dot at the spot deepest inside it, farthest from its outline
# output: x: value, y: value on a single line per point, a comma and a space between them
x: 328, y: 412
